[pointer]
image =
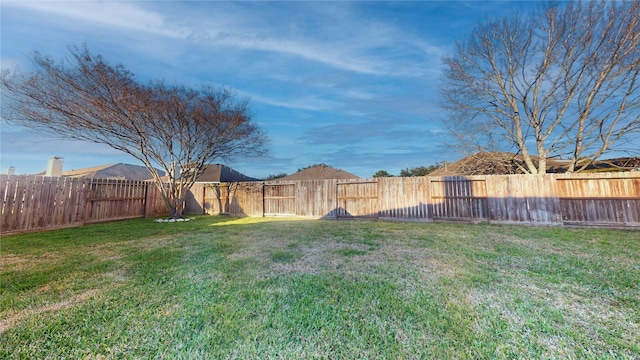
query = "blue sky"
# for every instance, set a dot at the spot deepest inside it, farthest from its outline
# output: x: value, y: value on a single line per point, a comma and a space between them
x: 349, y: 84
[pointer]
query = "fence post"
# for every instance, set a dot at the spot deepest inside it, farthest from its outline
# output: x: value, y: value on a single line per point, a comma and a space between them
x: 263, y: 200
x: 146, y: 200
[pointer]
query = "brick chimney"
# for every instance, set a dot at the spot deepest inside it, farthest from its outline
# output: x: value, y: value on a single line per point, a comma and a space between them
x: 54, y: 168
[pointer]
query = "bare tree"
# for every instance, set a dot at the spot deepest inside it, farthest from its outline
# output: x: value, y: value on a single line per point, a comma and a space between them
x: 561, y: 81
x: 173, y: 127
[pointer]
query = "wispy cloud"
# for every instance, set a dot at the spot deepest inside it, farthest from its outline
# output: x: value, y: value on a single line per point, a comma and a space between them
x: 113, y: 14
x: 9, y: 63
x: 310, y: 103
x: 347, y: 83
x: 367, y: 48
x: 317, y: 52
x: 373, y: 131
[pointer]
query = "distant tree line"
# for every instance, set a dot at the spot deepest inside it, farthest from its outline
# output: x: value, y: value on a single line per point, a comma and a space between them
x: 275, y: 176
x: 416, y: 171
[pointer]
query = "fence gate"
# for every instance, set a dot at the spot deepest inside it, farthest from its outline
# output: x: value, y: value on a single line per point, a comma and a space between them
x: 357, y: 199
x: 279, y: 199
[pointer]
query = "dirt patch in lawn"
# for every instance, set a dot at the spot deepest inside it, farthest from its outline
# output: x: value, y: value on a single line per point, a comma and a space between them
x: 13, y: 262
x: 12, y: 320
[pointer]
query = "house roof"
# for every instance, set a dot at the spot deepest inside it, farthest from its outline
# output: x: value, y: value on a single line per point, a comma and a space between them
x: 500, y: 163
x: 320, y: 172
x: 620, y: 164
x: 222, y: 173
x: 490, y: 163
x: 118, y: 171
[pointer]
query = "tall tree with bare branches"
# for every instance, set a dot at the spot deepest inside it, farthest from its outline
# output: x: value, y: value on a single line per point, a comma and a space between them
x: 561, y: 81
x: 176, y: 128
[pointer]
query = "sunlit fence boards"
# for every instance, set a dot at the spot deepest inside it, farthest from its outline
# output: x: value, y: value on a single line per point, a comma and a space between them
x: 458, y: 198
x: 610, y: 199
x: 531, y: 199
x: 607, y: 199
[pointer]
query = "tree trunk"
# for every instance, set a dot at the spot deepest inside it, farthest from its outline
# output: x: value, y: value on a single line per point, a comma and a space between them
x: 177, y: 208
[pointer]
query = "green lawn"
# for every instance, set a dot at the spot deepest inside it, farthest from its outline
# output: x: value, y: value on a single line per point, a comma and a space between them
x: 220, y: 287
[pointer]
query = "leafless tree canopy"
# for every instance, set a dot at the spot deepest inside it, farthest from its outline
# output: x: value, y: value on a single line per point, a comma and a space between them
x: 561, y: 81
x: 172, y: 127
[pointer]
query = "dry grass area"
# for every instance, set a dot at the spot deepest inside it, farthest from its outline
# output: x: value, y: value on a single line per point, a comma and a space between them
x: 13, y: 318
x: 222, y: 287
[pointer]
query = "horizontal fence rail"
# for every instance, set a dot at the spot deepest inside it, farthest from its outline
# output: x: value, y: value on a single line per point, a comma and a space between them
x: 31, y: 203
x: 609, y: 199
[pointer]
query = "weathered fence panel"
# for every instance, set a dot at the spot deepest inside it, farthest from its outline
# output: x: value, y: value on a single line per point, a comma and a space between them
x: 34, y: 202
x: 279, y: 199
x: 210, y: 198
x: 216, y: 199
x: 357, y: 199
x: 194, y: 203
x: 114, y: 199
x: 154, y: 204
x: 38, y: 203
x: 404, y: 198
x: 459, y: 197
x: 609, y: 199
x: 316, y: 198
x: 246, y: 199
x: 581, y: 199
x: 523, y: 199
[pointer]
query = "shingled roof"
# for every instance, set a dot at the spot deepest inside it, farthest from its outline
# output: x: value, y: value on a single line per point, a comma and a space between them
x: 212, y: 173
x: 118, y: 171
x: 501, y: 163
x: 222, y: 173
x: 320, y: 172
x: 488, y: 163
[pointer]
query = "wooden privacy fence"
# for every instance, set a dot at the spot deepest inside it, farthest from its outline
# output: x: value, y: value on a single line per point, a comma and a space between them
x: 609, y: 199
x: 40, y: 203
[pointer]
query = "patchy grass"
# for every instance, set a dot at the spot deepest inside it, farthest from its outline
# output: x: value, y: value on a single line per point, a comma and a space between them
x: 220, y: 287
x: 351, y: 252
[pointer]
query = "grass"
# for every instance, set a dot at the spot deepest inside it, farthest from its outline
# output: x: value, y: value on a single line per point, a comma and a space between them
x: 220, y: 287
